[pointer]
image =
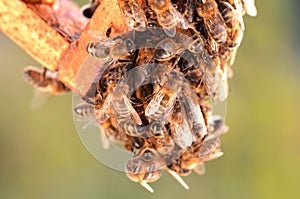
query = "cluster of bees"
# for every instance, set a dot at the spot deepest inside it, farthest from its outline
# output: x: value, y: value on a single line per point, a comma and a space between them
x: 156, y: 82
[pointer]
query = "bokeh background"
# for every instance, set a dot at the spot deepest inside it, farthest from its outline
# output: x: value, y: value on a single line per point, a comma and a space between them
x: 41, y: 155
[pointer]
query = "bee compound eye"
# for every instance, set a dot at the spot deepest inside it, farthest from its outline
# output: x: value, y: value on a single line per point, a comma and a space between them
x: 138, y: 142
x: 148, y: 155
x: 130, y: 46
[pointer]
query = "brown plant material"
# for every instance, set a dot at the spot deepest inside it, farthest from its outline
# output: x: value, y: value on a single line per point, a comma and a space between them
x: 55, y: 35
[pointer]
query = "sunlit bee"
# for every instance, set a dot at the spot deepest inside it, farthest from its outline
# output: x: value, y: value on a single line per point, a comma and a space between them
x: 238, y: 5
x: 181, y: 134
x: 177, y: 167
x: 170, y: 86
x: 159, y: 107
x: 249, y: 6
x: 229, y: 15
x: 197, y: 44
x: 216, y: 83
x: 116, y: 48
x: 166, y: 147
x: 217, y: 125
x: 85, y: 110
x: 189, y: 161
x: 210, y: 148
x: 44, y: 80
x: 167, y: 49
x: 144, y: 167
x: 213, y: 20
x: 189, y: 11
x: 168, y: 16
x: 193, y: 113
x: 118, y: 105
x: 235, y: 29
x: 133, y: 14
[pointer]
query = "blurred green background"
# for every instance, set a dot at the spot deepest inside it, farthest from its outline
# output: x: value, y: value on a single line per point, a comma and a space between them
x: 41, y: 155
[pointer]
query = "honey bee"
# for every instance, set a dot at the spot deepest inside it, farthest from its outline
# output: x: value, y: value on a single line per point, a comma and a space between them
x: 249, y: 7
x: 217, y: 125
x: 197, y: 45
x: 118, y: 105
x: 44, y: 80
x: 168, y: 16
x: 210, y: 148
x: 85, y: 110
x: 189, y: 11
x: 213, y: 20
x: 46, y: 84
x: 234, y: 28
x: 193, y: 113
x: 144, y: 167
x: 133, y: 14
x: 105, y: 48
x: 216, y: 83
x: 167, y: 49
x: 181, y: 134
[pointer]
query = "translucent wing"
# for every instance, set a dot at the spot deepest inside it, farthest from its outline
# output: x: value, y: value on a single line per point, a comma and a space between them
x: 154, y: 104
x: 104, y: 140
x: 134, y: 115
x: 210, y: 148
x: 39, y: 98
x: 103, y: 113
x: 195, y: 115
x: 90, y: 72
x: 223, y: 89
x: 181, y: 134
x: 200, y: 168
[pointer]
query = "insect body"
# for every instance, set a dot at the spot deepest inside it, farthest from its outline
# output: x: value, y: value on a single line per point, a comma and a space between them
x: 213, y: 20
x: 144, y: 167
x: 133, y: 14
x: 44, y: 80
x: 168, y: 16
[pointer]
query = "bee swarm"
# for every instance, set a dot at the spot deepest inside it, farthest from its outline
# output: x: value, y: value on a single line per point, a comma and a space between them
x: 155, y: 90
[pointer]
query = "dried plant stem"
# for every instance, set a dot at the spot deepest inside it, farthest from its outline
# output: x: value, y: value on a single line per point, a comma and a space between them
x: 40, y: 30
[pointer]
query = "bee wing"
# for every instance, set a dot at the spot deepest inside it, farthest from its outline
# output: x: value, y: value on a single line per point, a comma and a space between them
x: 39, y: 98
x: 154, y: 104
x: 103, y: 114
x: 104, y: 139
x: 223, y: 88
x: 217, y: 122
x: 181, y: 20
x: 200, y: 168
x: 134, y: 115
x: 89, y: 74
x: 85, y: 110
x: 197, y: 117
x: 210, y: 148
x: 97, y: 35
x: 170, y: 106
x: 181, y: 134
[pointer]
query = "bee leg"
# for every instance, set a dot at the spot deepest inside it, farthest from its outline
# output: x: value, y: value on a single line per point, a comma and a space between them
x: 178, y: 178
x: 146, y: 186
